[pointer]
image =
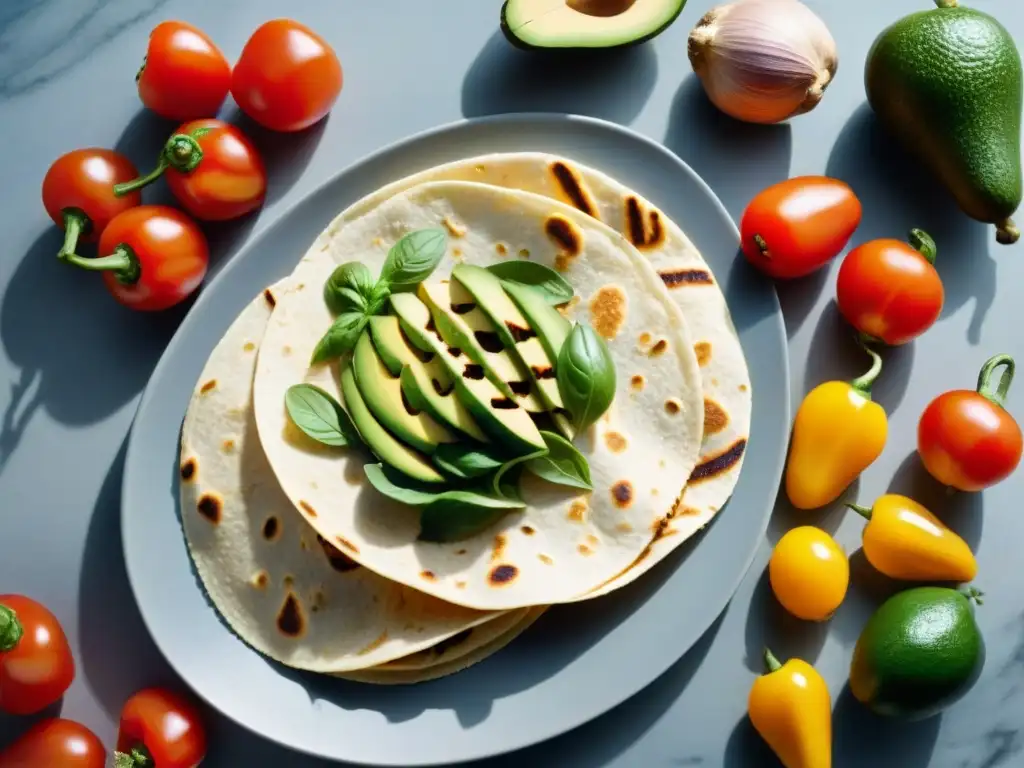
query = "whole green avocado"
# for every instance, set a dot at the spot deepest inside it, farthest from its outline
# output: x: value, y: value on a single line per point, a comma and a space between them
x: 948, y: 83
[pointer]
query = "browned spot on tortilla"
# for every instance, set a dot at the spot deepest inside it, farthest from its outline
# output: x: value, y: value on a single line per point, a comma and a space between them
x: 524, y: 253
x: 268, y: 296
x: 286, y: 350
x: 319, y: 599
x: 307, y: 508
x: 572, y: 187
x: 337, y: 559
x: 545, y: 559
x: 503, y: 574
x: 714, y: 382
x: 584, y: 550
x: 674, y: 278
x: 460, y: 585
x: 288, y: 581
x: 209, y: 506
x: 499, y: 548
x: 659, y: 348
x: 616, y: 443
x: 378, y: 242
x: 303, y: 544
x: 248, y: 346
x: 712, y: 466
x: 457, y: 254
x: 654, y: 491
x: 208, y: 386
x: 592, y: 540
x: 577, y: 511
x: 608, y: 310
x: 673, y: 406
x: 743, y: 387
x: 479, y: 168
x: 715, y: 418
x: 460, y: 552
x: 290, y: 620
x: 565, y: 234
x: 228, y: 446
x: 622, y: 494
x: 703, y: 351
x: 645, y: 339
x: 260, y: 580
x: 428, y: 575
x: 624, y: 527
x: 644, y: 231
x: 347, y: 544
x: 527, y: 530
x: 501, y: 248
x: 454, y: 229
x: 271, y: 528
x: 637, y: 382
x: 375, y: 644
x: 685, y: 511
x: 188, y: 470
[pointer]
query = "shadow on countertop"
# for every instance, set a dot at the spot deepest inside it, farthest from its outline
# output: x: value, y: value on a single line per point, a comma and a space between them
x: 610, y: 84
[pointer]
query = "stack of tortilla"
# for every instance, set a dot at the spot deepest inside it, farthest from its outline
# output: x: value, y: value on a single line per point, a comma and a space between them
x: 311, y: 566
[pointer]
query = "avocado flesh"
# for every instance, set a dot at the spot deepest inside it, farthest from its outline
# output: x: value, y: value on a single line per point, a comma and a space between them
x: 586, y: 23
x: 948, y: 83
x: 422, y: 380
x: 382, y: 394
x: 463, y: 330
x: 384, y: 446
x: 511, y: 428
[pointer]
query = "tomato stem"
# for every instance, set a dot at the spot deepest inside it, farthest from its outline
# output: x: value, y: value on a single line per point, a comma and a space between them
x: 863, y: 383
x: 772, y: 663
x: 762, y: 246
x: 10, y: 629
x: 972, y: 593
x: 998, y: 397
x: 923, y: 243
x: 76, y: 223
x: 126, y: 187
x: 181, y: 152
x: 138, y: 757
x: 864, y: 512
x: 122, y: 262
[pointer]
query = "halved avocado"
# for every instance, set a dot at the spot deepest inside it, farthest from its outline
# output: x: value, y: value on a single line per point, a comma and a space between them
x: 382, y: 394
x: 384, y: 446
x: 567, y: 24
x: 426, y: 383
x: 502, y: 418
x: 465, y: 326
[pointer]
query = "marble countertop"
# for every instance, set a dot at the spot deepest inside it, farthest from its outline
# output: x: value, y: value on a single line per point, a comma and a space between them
x: 72, y: 363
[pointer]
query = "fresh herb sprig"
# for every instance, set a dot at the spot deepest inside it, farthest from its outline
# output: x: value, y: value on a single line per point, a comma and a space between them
x: 585, y: 373
x: 320, y: 416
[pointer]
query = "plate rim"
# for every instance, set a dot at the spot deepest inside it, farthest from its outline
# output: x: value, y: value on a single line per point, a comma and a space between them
x: 280, y: 219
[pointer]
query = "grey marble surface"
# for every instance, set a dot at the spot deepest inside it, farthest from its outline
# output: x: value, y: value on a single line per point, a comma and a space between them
x: 72, y: 363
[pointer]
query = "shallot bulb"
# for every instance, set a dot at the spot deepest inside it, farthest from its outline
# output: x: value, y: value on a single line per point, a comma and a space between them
x: 763, y: 61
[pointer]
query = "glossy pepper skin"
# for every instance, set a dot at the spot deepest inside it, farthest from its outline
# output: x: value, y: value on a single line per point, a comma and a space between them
x: 791, y: 709
x: 904, y: 540
x: 838, y: 432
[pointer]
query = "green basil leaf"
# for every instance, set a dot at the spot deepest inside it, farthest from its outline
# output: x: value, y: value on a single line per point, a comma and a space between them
x: 349, y: 288
x: 586, y: 376
x: 340, y: 338
x: 319, y: 415
x: 555, y: 289
x: 414, y: 257
x: 465, y: 460
x: 378, y: 298
x: 451, y: 520
x: 393, y: 484
x: 562, y: 464
x: 503, y: 481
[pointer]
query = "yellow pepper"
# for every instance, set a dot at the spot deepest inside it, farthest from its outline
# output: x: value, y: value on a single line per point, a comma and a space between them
x: 904, y: 540
x: 837, y: 433
x: 790, y: 707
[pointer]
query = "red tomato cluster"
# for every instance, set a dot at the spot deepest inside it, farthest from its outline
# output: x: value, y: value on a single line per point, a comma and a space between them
x: 37, y: 667
x: 286, y: 79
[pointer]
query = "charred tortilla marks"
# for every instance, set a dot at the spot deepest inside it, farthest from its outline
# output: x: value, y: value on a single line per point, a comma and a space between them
x: 573, y: 188
x: 524, y: 253
x: 307, y: 508
x: 608, y: 311
x: 188, y: 470
x: 743, y: 387
x: 519, y: 388
x: 676, y: 278
x: 715, y: 418
x: 260, y: 580
x: 545, y: 559
x: 337, y: 559
x: 644, y: 231
x: 584, y: 550
x: 673, y: 406
x: 624, y: 527
x: 374, y: 645
x: 501, y: 249
x: 228, y: 446
x: 290, y: 621
x: 501, y: 575
x: 577, y: 511
x: 503, y: 404
x: 271, y: 528
x: 615, y: 441
x: 248, y: 346
x: 660, y: 348
x: 210, y: 506
x: 622, y: 494
x: 518, y: 333
x: 567, y: 237
x: 527, y: 530
x: 702, y: 349
x: 713, y: 466
x: 541, y: 372
x: 473, y: 371
x: 489, y: 341
x: 268, y: 297
x: 347, y: 544
x: 637, y: 383
x: 499, y: 548
x: 208, y: 386
x: 428, y: 576
x: 454, y: 229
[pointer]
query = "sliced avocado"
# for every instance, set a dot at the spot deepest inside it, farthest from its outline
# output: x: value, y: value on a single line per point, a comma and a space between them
x: 586, y: 23
x: 502, y: 418
x: 551, y: 327
x: 384, y: 446
x: 518, y: 334
x: 464, y: 325
x: 382, y: 393
x: 425, y: 381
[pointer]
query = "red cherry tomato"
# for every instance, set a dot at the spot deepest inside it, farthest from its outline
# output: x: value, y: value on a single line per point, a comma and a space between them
x: 55, y: 743
x: 287, y: 77
x: 166, y: 726
x: 36, y: 665
x: 797, y: 226
x: 184, y: 75
x: 213, y: 170
x: 889, y: 290
x: 156, y: 257
x: 967, y: 440
x: 78, y: 192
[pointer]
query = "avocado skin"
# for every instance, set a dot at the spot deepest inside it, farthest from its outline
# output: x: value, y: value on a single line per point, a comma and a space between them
x: 919, y: 653
x: 948, y: 83
x: 522, y: 45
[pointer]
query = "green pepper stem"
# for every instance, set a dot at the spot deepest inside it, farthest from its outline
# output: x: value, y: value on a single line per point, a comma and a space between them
x: 76, y: 223
x: 972, y: 593
x: 863, y: 383
x: 181, y: 152
x: 122, y: 262
x: 923, y: 243
x: 772, y: 663
x: 998, y: 397
x: 126, y: 187
x: 10, y: 629
x: 864, y: 512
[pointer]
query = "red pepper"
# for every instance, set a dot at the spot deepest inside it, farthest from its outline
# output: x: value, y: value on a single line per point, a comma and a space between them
x: 159, y: 729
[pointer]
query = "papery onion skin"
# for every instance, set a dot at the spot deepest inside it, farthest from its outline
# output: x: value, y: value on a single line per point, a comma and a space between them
x: 763, y: 61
